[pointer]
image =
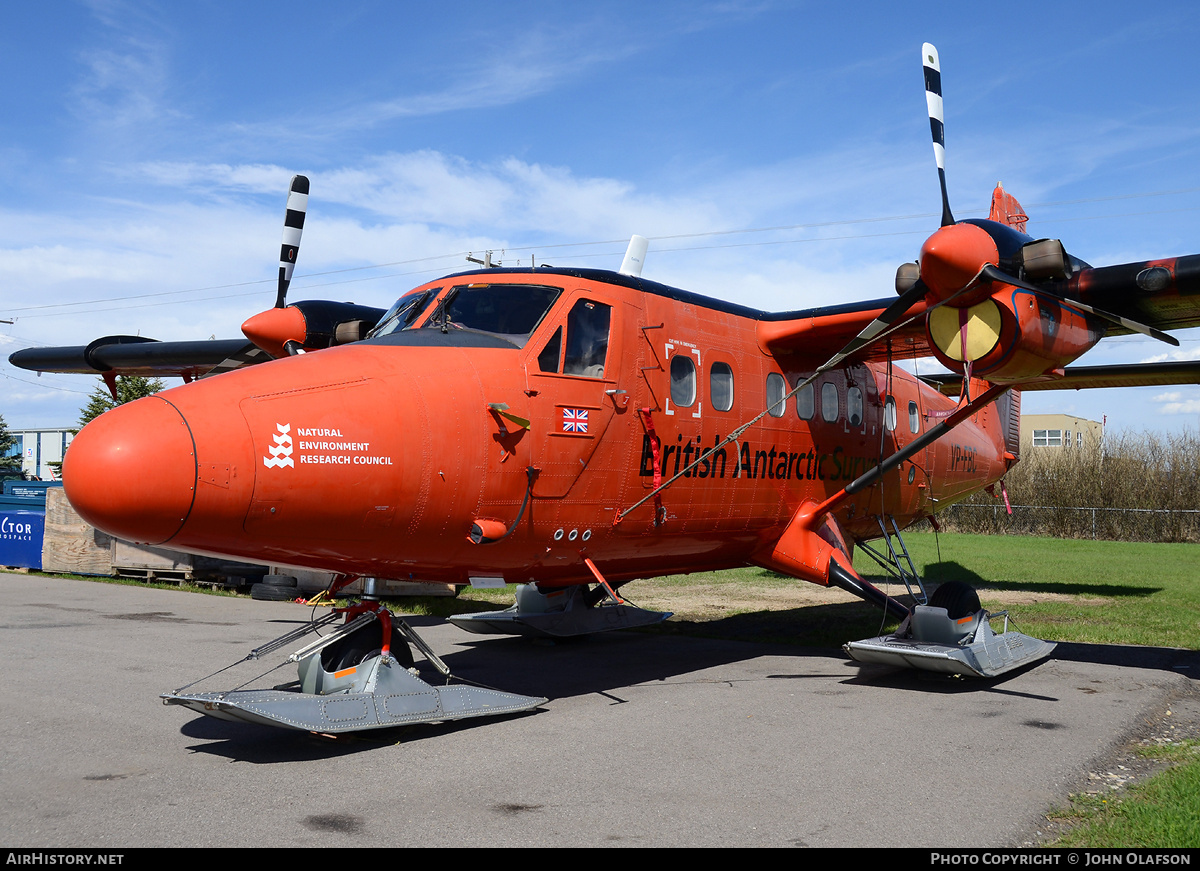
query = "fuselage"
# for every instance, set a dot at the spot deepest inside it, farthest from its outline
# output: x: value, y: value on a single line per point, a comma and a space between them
x: 378, y: 457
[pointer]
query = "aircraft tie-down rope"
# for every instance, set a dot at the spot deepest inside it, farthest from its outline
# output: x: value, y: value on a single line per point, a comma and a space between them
x: 656, y: 454
x: 731, y: 438
x: 889, y: 321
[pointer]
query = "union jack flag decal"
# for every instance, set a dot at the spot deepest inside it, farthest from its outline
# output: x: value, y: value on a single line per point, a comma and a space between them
x: 575, y: 420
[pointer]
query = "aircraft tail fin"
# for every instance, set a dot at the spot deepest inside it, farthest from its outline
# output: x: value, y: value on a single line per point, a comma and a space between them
x: 1006, y: 209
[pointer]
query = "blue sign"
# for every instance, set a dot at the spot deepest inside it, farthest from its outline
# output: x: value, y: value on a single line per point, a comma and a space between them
x: 21, y: 534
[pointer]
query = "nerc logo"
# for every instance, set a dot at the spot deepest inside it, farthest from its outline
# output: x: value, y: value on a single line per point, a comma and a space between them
x: 281, y: 451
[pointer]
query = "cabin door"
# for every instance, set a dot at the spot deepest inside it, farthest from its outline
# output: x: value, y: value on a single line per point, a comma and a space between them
x: 576, y: 383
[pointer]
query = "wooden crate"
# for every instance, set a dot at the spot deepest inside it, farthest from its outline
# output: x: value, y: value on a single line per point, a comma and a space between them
x: 70, y: 545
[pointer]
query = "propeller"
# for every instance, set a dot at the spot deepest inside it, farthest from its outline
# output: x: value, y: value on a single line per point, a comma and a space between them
x: 288, y: 330
x: 961, y: 261
x: 293, y: 226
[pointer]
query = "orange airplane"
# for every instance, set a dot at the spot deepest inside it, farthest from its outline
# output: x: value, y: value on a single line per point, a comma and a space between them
x: 572, y: 430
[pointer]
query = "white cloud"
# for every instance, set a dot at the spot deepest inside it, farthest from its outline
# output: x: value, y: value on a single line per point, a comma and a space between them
x: 253, y: 178
x: 1180, y: 355
x: 1191, y: 406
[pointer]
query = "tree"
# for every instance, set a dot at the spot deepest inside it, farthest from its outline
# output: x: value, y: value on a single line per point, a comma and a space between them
x: 129, y: 388
x: 10, y: 467
x: 7, y: 439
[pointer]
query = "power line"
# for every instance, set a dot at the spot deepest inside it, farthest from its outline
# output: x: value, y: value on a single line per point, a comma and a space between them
x: 562, y: 245
x: 47, y: 386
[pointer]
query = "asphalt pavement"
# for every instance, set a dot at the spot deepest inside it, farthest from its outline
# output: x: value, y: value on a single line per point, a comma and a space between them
x: 647, y: 740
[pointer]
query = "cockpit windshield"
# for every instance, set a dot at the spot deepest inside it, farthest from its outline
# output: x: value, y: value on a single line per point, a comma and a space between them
x: 405, y: 310
x: 512, y: 311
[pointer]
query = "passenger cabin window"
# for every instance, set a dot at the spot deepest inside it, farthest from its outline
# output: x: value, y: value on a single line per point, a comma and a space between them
x: 587, y: 339
x: 683, y: 380
x: 775, y: 391
x: 889, y: 413
x: 806, y: 403
x: 854, y: 406
x: 830, y: 407
x: 511, y: 311
x: 405, y: 310
x: 914, y: 417
x: 720, y: 386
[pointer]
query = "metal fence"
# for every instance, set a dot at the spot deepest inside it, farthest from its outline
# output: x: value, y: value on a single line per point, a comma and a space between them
x: 1113, y: 524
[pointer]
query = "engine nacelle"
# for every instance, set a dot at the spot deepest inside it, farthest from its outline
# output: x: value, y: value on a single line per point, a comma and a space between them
x: 1010, y: 337
x: 311, y: 324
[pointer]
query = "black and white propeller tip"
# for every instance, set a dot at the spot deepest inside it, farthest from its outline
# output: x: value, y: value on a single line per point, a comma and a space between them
x: 293, y: 227
x: 937, y: 121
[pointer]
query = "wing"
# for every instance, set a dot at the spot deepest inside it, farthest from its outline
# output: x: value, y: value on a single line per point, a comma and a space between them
x: 1162, y: 294
x: 1087, y: 377
x: 820, y: 332
x: 135, y: 355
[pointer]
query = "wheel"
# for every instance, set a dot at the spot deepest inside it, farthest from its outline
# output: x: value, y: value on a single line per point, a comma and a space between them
x: 362, y: 644
x: 271, y: 593
x: 279, y: 580
x: 958, y: 598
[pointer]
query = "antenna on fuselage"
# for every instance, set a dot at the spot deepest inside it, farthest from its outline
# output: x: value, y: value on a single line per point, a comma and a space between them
x: 486, y: 262
x: 635, y: 256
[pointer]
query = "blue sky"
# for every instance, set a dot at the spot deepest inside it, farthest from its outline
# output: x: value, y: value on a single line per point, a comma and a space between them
x: 145, y: 150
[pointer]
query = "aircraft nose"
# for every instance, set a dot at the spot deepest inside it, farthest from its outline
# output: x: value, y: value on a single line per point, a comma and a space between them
x: 131, y: 472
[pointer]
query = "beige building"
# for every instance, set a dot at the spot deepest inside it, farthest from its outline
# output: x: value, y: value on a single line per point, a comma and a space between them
x: 1059, y: 432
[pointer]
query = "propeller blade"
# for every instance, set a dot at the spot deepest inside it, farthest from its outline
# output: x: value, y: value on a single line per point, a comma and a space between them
x: 1137, y: 327
x: 993, y: 273
x: 293, y: 226
x: 886, y: 318
x: 933, y: 100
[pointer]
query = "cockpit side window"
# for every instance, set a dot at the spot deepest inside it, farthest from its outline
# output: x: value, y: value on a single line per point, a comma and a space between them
x: 509, y: 310
x: 405, y: 310
x: 587, y: 339
x: 548, y: 359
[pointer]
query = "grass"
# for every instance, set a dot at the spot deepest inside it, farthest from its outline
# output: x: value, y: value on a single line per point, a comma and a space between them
x: 1096, y: 592
x: 1161, y: 812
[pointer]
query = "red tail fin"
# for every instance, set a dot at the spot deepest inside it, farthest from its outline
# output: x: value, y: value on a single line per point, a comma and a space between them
x: 1006, y: 209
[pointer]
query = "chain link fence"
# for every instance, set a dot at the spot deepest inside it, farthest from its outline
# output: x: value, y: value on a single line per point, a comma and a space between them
x: 1112, y: 524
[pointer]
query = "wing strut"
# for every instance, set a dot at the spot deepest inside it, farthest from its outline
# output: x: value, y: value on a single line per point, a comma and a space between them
x: 880, y: 328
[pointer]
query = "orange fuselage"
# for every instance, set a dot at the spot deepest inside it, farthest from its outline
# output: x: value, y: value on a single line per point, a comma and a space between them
x: 376, y: 458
